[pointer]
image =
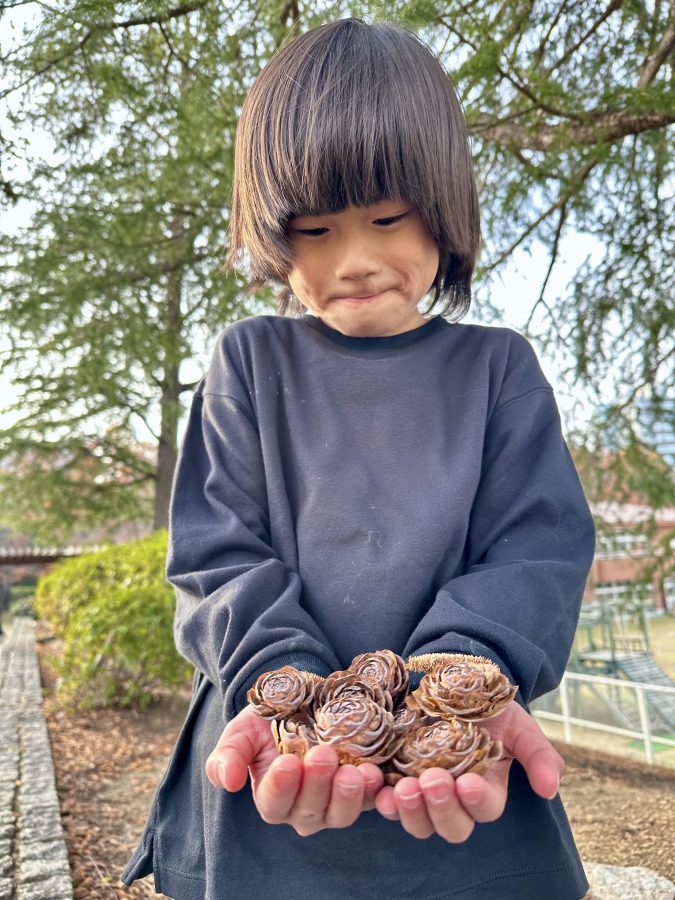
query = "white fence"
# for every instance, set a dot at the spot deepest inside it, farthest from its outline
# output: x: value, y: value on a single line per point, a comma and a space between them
x: 645, y: 733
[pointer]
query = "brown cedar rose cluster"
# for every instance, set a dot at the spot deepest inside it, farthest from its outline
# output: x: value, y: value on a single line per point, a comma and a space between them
x: 366, y: 714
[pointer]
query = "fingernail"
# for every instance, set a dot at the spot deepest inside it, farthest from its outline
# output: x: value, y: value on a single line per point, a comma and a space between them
x: 350, y: 790
x: 284, y: 772
x: 222, y: 770
x: 410, y: 801
x: 557, y: 788
x: 436, y: 793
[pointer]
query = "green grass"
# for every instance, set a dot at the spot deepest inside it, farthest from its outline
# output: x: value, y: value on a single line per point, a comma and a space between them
x: 662, y: 638
x: 657, y: 746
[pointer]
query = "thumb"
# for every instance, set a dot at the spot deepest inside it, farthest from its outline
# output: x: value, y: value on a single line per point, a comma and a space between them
x: 237, y: 747
x: 543, y: 764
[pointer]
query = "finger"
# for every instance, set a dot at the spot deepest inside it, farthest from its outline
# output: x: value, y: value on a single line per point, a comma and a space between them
x: 374, y: 779
x: 275, y: 793
x: 412, y: 809
x: 448, y: 817
x: 484, y: 798
x: 239, y: 744
x: 346, y: 798
x: 319, y: 766
x: 385, y: 803
x: 542, y: 762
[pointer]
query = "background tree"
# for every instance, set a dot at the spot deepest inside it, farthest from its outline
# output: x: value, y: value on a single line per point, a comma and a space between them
x: 117, y: 283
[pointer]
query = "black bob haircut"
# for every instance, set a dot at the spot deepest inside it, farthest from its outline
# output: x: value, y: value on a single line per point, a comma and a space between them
x: 349, y: 114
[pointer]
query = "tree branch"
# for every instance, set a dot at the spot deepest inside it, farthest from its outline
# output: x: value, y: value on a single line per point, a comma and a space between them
x: 613, y: 6
x: 663, y: 51
x: 607, y: 127
x: 554, y: 256
x: 184, y: 388
x: 104, y: 28
x: 576, y: 181
x: 520, y: 85
x: 157, y: 19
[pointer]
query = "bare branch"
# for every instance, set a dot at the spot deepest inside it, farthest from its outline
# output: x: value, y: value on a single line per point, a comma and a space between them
x: 659, y: 361
x: 539, y: 52
x: 13, y: 4
x: 184, y: 388
x: 554, y: 256
x: 573, y: 185
x: 520, y: 85
x: 146, y: 423
x: 157, y: 19
x: 607, y: 127
x: 663, y: 51
x: 172, y: 50
x: 613, y: 6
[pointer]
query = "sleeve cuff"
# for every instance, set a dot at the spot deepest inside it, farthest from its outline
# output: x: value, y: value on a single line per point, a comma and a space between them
x: 300, y: 661
x: 470, y: 648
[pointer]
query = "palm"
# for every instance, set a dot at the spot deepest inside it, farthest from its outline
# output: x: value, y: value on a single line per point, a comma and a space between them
x: 267, y: 752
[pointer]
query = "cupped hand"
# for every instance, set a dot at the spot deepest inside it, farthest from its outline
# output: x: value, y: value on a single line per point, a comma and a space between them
x: 309, y: 794
x: 436, y: 803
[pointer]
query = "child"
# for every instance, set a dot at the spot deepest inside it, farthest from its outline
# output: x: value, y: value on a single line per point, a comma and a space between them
x: 357, y: 476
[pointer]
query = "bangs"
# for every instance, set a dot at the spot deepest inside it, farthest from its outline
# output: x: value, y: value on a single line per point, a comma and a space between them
x: 343, y: 135
x: 349, y: 114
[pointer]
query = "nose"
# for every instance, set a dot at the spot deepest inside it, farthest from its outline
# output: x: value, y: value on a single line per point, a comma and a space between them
x: 356, y: 259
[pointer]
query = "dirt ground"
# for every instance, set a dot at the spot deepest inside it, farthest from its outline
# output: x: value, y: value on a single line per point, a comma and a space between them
x: 108, y: 763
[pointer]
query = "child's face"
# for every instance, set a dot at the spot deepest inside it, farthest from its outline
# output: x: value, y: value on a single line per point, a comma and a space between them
x: 364, y: 270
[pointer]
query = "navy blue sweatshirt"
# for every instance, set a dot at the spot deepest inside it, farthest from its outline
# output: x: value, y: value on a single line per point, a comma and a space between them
x: 336, y: 495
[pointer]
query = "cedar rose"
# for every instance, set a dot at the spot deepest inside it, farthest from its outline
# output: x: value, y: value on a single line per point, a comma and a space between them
x: 453, y: 745
x: 410, y: 716
x: 294, y: 735
x: 465, y: 690
x: 387, y: 668
x: 357, y: 728
x: 345, y: 683
x: 282, y: 693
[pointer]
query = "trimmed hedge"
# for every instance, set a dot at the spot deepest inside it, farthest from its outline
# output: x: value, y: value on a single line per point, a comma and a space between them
x: 114, y: 611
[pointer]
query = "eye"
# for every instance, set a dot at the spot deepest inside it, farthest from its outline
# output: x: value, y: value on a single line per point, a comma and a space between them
x: 312, y: 232
x: 391, y: 220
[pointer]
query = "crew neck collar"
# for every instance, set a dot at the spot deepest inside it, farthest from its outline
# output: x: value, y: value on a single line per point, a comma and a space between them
x: 390, y: 342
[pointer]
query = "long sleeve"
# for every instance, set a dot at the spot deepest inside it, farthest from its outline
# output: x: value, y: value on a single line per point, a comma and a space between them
x: 238, y: 611
x: 529, y: 549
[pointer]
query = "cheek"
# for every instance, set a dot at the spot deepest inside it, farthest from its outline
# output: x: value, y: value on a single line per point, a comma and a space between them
x: 430, y: 259
x: 304, y: 277
x: 421, y: 266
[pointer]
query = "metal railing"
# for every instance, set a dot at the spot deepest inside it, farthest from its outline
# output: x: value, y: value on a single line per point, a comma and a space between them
x: 568, y: 720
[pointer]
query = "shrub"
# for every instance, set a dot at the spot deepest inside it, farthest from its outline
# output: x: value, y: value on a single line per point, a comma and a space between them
x: 22, y: 605
x: 114, y: 611
x: 74, y: 583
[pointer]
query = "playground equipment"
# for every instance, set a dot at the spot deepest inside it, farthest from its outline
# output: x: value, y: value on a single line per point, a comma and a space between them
x: 613, y: 639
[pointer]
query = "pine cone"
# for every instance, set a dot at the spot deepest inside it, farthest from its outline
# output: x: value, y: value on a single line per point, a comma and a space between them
x: 410, y: 716
x: 454, y: 745
x: 465, y: 690
x: 294, y: 735
x: 386, y: 667
x: 357, y: 728
x: 282, y: 693
x: 344, y: 683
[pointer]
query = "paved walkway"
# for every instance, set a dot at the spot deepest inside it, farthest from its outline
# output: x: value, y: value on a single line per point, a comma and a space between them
x: 33, y: 855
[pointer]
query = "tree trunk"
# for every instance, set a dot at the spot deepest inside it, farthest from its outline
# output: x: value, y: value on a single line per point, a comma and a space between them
x: 167, y: 453
x: 167, y: 450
